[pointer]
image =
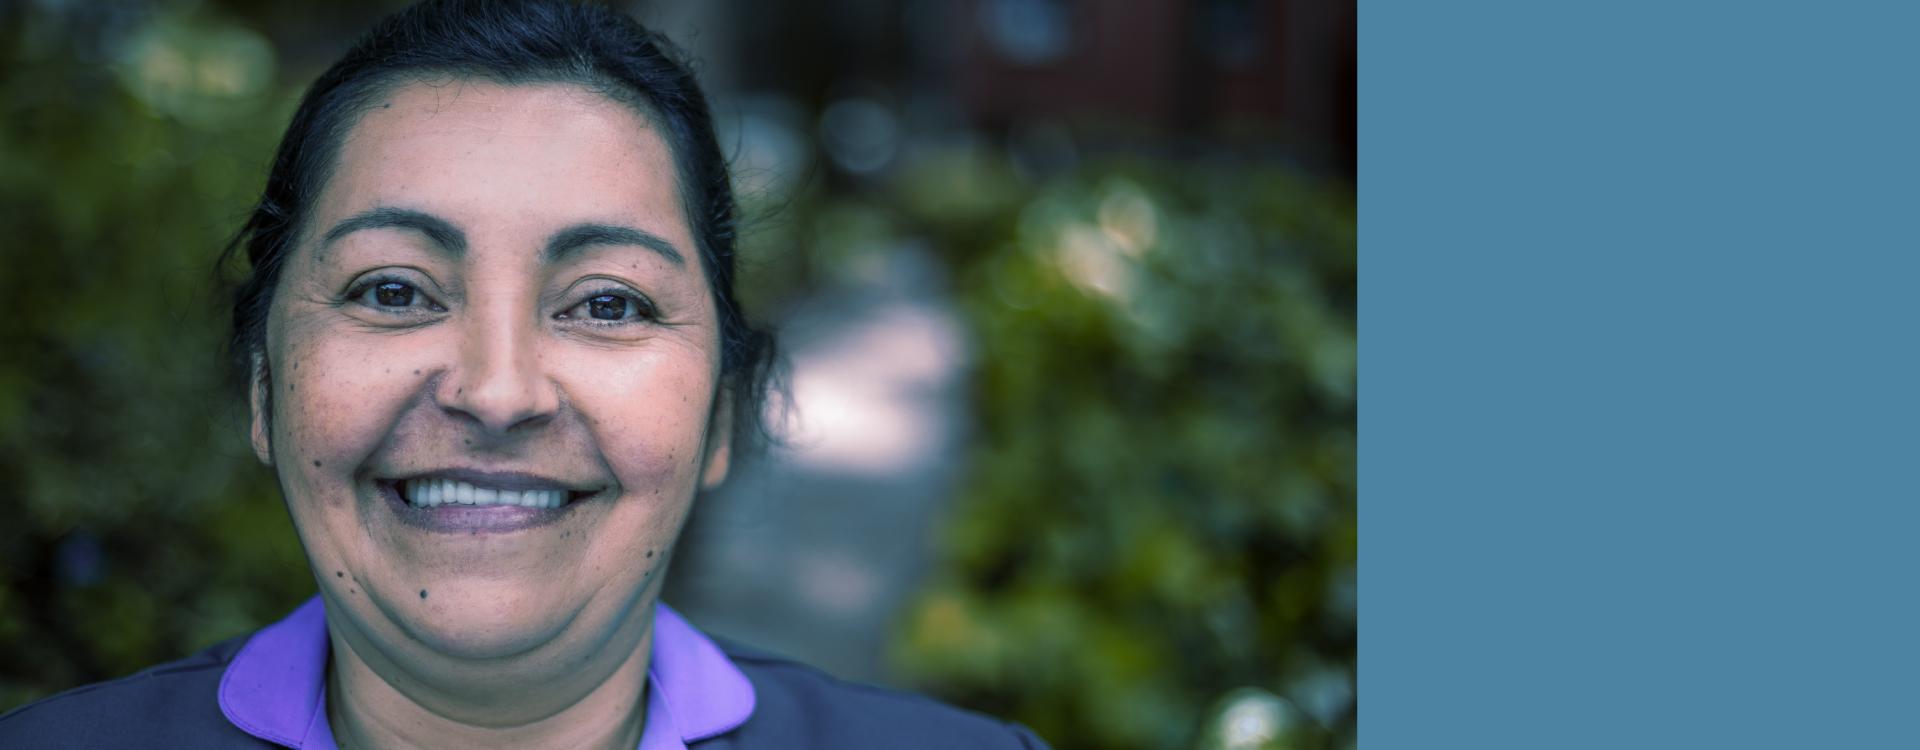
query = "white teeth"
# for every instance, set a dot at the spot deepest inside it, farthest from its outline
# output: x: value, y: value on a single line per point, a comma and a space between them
x: 428, y: 493
x: 421, y: 492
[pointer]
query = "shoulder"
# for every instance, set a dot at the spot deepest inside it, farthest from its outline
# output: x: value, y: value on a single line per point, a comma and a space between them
x: 171, y: 705
x: 798, y: 706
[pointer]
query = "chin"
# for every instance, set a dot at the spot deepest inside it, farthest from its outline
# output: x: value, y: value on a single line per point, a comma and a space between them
x: 481, y: 621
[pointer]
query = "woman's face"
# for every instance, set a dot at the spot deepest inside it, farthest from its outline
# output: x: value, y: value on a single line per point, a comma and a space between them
x: 496, y: 300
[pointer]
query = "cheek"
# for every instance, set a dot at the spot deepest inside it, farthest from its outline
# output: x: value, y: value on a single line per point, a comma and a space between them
x: 336, y: 398
x: 647, y: 413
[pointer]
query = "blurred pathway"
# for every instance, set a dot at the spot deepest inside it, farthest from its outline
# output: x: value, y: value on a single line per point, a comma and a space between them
x: 811, y: 552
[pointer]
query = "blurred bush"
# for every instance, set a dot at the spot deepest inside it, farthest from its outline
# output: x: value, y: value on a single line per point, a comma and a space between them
x: 138, y: 526
x: 1156, y: 544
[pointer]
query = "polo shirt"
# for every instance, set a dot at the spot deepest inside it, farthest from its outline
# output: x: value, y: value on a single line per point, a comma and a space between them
x: 269, y: 690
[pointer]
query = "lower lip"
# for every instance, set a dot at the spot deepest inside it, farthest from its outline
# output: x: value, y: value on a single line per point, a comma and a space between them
x: 473, y: 519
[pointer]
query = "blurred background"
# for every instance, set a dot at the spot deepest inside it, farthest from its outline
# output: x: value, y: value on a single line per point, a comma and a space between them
x: 1066, y: 286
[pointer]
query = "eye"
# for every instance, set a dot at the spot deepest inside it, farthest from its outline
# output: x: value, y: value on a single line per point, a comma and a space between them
x: 392, y: 295
x: 610, y: 308
x: 607, y: 307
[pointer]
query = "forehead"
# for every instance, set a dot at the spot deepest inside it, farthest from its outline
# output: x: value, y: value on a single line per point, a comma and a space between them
x: 506, y: 156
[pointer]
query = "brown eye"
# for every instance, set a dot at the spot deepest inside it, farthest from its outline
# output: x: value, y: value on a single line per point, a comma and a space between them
x: 611, y: 308
x: 393, y: 294
x: 394, y: 297
x: 607, y: 307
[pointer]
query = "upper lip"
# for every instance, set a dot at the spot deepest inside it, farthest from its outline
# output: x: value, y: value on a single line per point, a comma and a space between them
x: 516, y: 481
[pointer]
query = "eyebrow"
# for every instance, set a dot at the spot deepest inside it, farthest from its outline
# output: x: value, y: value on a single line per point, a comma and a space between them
x: 441, y: 231
x: 454, y: 241
x: 583, y: 235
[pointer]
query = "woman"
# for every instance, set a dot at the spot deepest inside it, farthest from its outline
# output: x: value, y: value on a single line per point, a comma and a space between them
x: 494, y: 356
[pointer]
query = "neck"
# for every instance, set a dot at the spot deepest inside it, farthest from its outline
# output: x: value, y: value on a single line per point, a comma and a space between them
x: 373, y: 701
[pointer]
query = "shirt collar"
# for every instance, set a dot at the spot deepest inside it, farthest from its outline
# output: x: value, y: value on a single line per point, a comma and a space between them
x: 275, y: 687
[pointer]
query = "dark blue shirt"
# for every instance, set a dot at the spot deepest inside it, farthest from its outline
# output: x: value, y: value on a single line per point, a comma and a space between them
x: 269, y: 690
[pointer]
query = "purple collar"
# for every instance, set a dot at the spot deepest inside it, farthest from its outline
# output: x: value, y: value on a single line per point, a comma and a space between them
x: 275, y: 688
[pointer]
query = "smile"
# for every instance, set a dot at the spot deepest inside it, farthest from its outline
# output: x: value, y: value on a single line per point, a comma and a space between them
x: 429, y: 493
x: 468, y: 501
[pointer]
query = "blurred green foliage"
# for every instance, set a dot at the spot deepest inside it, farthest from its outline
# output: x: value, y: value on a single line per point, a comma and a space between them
x: 1156, y: 543
x: 1154, y: 547
x: 139, y: 525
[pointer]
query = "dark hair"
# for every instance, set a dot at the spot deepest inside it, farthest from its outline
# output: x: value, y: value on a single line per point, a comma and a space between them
x: 510, y: 42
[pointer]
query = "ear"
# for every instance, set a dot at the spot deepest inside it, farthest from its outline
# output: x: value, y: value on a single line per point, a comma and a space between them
x: 719, y: 452
x: 258, y: 409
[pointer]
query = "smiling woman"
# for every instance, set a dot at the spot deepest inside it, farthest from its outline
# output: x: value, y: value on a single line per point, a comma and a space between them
x: 493, y: 356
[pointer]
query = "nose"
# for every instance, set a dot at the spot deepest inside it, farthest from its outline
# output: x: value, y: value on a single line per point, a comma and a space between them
x: 498, y: 382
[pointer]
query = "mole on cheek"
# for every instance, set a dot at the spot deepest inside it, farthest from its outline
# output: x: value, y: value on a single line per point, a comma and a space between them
x: 423, y: 593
